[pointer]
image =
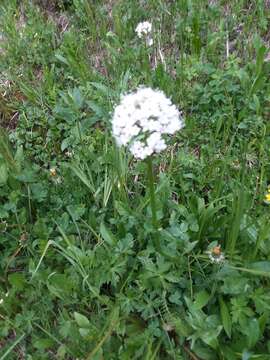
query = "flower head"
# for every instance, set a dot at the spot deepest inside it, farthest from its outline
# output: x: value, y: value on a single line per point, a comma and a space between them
x: 69, y: 153
x: 53, y: 171
x: 55, y: 177
x: 215, y: 255
x: 143, y: 30
x: 3, y: 226
x: 143, y: 119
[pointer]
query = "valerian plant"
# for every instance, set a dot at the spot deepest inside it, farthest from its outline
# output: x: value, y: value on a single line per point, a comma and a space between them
x: 158, y: 247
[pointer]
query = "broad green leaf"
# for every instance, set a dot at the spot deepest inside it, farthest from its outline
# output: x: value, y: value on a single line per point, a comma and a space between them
x: 262, y: 322
x: 3, y: 174
x: 234, y: 285
x: 263, y: 266
x: 62, y: 59
x: 203, y: 352
x: 102, y: 88
x: 107, y: 235
x: 76, y: 211
x: 228, y: 353
x: 19, y: 156
x: 210, y: 337
x: 81, y: 320
x: 17, y: 280
x: 43, y: 344
x: 98, y: 110
x: 254, y: 269
x: 61, y: 352
x: 225, y: 317
x: 260, y: 59
x: 181, y: 326
x: 84, y: 332
x: 252, y: 330
x: 65, y: 144
x: 201, y: 299
x: 40, y: 229
x: 246, y: 355
x: 77, y: 97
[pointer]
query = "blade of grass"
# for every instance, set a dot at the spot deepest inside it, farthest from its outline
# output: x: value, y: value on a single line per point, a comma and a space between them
x: 16, y: 342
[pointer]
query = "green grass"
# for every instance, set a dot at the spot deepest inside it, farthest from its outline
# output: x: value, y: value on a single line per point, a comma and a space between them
x: 84, y: 272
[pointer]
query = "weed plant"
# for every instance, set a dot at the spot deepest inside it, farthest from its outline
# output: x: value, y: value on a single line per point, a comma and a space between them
x: 81, y: 275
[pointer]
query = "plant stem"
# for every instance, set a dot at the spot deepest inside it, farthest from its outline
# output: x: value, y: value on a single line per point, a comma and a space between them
x: 156, y: 235
x: 152, y: 192
x: 79, y: 130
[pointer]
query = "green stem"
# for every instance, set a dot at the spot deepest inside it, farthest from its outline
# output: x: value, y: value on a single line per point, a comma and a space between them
x: 156, y: 235
x: 145, y: 63
x: 152, y: 192
x: 79, y: 130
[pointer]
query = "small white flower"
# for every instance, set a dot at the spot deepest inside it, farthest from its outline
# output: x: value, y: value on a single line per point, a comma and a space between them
x: 144, y: 30
x: 69, y: 153
x: 53, y: 172
x: 1, y: 301
x: 3, y: 226
x: 168, y: 327
x: 57, y: 180
x: 149, y: 41
x: 143, y: 119
x: 156, y: 143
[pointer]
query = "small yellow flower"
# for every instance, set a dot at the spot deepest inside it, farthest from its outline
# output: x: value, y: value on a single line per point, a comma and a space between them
x: 267, y: 196
x: 53, y: 172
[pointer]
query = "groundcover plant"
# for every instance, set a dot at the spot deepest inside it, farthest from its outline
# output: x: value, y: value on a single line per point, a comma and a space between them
x: 134, y: 179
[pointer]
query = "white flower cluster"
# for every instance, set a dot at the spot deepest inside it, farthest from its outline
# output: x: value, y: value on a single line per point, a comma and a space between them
x: 143, y: 30
x: 142, y: 119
